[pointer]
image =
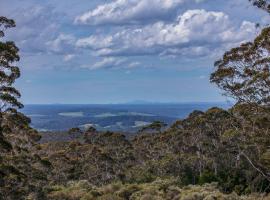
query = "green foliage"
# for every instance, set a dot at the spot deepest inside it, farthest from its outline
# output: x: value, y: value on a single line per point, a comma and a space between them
x: 22, y: 174
x: 227, y: 147
x: 243, y: 72
x: 158, y: 190
x: 8, y: 73
x: 5, y: 24
x: 207, y: 177
x: 74, y: 131
x: 155, y: 126
x: 262, y: 4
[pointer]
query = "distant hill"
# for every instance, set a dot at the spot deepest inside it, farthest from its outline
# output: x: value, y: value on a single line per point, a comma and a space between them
x: 111, y: 117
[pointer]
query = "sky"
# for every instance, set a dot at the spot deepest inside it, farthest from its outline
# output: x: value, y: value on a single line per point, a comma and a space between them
x: 118, y: 51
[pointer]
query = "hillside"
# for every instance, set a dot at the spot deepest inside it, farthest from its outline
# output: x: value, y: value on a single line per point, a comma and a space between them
x: 213, y: 146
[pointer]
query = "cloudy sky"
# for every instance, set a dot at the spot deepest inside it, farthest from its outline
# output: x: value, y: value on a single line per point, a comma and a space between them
x: 113, y: 51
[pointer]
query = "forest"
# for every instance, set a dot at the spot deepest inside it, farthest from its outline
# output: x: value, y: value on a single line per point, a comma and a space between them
x: 214, y: 155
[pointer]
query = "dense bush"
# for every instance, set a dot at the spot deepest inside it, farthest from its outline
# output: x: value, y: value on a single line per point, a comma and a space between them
x: 227, y: 147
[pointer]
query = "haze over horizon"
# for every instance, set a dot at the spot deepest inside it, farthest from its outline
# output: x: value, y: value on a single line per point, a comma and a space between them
x: 140, y: 102
x: 105, y: 51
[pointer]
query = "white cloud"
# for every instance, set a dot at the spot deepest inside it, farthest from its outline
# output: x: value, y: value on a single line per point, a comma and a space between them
x: 112, y: 63
x: 63, y: 43
x: 194, y: 33
x: 35, y: 26
x: 68, y: 57
x: 43, y: 31
x: 108, y: 62
x: 134, y: 64
x: 97, y: 42
x: 131, y: 11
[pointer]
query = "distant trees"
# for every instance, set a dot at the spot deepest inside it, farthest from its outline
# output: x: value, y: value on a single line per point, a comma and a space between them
x: 154, y: 126
x: 91, y: 129
x: 75, y: 131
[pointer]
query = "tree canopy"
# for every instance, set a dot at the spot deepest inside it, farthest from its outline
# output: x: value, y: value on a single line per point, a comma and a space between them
x: 262, y: 4
x: 9, y: 72
x: 243, y: 72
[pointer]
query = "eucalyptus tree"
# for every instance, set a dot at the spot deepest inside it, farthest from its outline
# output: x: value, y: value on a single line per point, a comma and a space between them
x: 262, y: 4
x: 244, y: 73
x: 18, y: 177
x: 9, y: 72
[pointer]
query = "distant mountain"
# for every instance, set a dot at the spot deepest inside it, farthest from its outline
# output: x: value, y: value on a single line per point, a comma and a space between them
x: 140, y: 102
x: 143, y: 102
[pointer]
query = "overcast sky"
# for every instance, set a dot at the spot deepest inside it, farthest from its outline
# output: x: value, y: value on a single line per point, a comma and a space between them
x: 113, y: 51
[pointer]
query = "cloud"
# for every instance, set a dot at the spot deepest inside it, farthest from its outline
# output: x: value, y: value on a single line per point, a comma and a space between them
x: 134, y: 64
x: 39, y: 31
x: 108, y: 62
x: 164, y: 29
x: 131, y: 11
x: 113, y: 63
x: 194, y: 33
x: 63, y: 43
x: 96, y: 42
x: 68, y: 57
x: 35, y: 26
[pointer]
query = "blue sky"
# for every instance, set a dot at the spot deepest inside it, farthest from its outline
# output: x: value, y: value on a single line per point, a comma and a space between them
x: 114, y: 51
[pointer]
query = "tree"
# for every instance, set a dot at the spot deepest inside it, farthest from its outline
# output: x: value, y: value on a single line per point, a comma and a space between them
x: 262, y: 4
x: 22, y: 172
x: 155, y: 126
x: 75, y: 131
x: 9, y: 72
x: 244, y: 73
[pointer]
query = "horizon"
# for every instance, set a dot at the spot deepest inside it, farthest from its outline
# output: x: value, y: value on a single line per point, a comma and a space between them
x: 111, y: 117
x: 142, y: 103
